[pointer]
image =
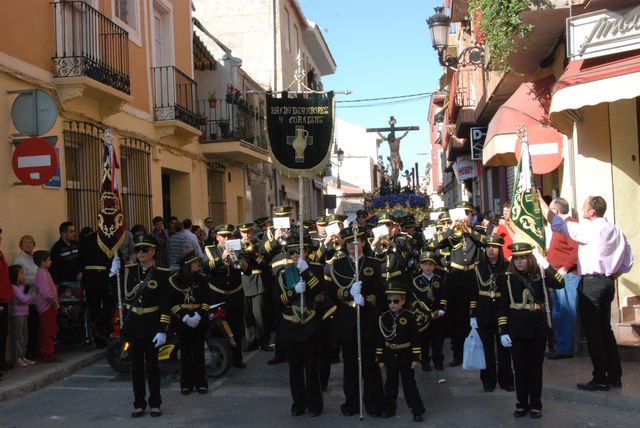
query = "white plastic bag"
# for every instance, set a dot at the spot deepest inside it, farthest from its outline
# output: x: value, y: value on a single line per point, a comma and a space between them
x: 473, y: 357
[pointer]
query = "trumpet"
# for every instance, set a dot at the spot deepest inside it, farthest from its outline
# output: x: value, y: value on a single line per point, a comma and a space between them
x: 458, y: 229
x: 337, y: 243
x: 248, y: 247
x: 384, y: 244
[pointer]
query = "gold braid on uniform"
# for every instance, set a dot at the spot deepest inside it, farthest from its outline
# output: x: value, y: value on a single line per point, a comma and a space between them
x: 388, y: 334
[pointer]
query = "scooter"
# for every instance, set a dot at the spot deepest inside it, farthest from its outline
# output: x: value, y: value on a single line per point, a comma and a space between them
x: 218, y: 342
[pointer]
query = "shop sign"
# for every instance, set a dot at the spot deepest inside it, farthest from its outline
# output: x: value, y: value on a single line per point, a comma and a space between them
x: 477, y: 136
x: 603, y: 32
x: 465, y: 168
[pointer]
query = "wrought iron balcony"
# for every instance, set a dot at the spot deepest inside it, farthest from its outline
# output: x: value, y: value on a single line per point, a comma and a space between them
x: 174, y: 96
x: 227, y: 119
x: 90, y: 44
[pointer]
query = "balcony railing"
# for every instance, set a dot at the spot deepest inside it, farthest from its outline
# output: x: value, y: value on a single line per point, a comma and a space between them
x: 90, y: 44
x: 174, y: 96
x: 222, y: 120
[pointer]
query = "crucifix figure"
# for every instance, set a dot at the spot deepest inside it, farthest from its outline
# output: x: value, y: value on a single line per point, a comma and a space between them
x: 394, y: 147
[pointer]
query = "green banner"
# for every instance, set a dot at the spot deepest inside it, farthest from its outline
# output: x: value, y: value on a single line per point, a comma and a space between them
x: 525, y: 214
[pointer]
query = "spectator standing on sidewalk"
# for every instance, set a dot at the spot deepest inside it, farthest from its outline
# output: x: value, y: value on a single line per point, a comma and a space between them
x: 504, y: 230
x: 177, y: 245
x: 64, y: 256
x: 191, y: 239
x: 20, y: 314
x: 603, y: 255
x: 563, y: 257
x: 162, y: 236
x: 47, y: 304
x: 6, y: 293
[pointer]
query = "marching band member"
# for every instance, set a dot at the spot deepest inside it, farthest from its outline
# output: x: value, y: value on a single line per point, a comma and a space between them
x: 392, y: 250
x: 484, y: 307
x: 523, y: 325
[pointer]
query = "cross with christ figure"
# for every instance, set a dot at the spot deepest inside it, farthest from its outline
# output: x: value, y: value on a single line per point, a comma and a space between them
x: 394, y: 147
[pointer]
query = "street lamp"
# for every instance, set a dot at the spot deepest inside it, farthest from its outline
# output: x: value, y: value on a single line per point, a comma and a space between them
x: 340, y: 154
x: 439, y: 25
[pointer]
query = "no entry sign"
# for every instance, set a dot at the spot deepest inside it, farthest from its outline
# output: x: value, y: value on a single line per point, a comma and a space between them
x: 34, y: 161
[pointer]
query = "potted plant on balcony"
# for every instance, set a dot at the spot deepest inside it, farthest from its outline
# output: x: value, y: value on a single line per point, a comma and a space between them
x: 212, y: 99
x: 224, y: 128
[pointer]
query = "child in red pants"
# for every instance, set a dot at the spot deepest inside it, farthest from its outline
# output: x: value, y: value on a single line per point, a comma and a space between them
x: 47, y: 306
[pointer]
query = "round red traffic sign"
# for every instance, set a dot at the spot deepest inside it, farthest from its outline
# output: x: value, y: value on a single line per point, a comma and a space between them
x: 34, y: 161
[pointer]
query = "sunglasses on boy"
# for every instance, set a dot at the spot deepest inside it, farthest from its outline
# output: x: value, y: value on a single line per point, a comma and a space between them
x: 393, y: 301
x: 142, y: 249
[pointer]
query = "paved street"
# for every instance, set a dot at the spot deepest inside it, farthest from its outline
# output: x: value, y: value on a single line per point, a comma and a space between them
x: 259, y: 396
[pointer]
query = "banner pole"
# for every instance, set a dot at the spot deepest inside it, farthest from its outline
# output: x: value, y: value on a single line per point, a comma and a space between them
x: 301, y: 233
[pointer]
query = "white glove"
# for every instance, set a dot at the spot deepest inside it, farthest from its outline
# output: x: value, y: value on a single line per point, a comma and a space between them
x: 300, y: 287
x: 356, y: 288
x: 505, y: 339
x: 186, y: 318
x: 159, y: 339
x: 358, y: 299
x: 302, y: 265
x: 115, y: 267
x: 195, y: 320
x: 440, y: 313
x: 540, y: 259
x: 473, y: 322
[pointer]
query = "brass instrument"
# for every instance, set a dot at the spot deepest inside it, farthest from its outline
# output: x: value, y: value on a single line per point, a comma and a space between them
x: 457, y: 230
x: 337, y: 242
x: 248, y: 247
x: 384, y: 244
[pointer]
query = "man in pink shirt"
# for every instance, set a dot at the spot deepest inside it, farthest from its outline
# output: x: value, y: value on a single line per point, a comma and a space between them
x: 603, y: 255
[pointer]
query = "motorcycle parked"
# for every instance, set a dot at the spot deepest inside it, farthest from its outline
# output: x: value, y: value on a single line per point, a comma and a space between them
x: 218, y: 342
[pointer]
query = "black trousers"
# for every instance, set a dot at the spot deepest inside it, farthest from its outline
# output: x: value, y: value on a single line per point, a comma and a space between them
x: 458, y: 309
x: 595, y: 294
x: 235, y: 318
x: 409, y: 387
x: 192, y: 371
x: 304, y: 374
x: 329, y: 354
x: 504, y: 376
x: 528, y: 356
x: 101, y: 305
x: 254, y: 320
x: 432, y: 340
x: 373, y: 392
x: 144, y: 358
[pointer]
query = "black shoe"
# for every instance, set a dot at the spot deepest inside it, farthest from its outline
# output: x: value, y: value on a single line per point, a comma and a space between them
x: 202, y: 389
x: 137, y: 413
x: 296, y: 412
x: 347, y: 411
x: 556, y: 356
x: 375, y: 414
x: 418, y: 418
x: 426, y: 367
x: 155, y: 412
x: 507, y: 388
x: 439, y: 367
x: 266, y: 348
x: 518, y: 413
x: 617, y: 383
x: 593, y: 386
x: 186, y: 390
x: 314, y: 413
x: 387, y: 415
x: 249, y: 348
x: 276, y: 360
x: 240, y: 365
x: 535, y: 413
x: 488, y: 388
x: 455, y: 363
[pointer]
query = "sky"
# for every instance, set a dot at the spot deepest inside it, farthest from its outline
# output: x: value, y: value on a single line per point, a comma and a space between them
x: 382, y: 49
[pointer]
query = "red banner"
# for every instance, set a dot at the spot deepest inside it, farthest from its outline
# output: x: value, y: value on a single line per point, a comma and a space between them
x: 110, y: 217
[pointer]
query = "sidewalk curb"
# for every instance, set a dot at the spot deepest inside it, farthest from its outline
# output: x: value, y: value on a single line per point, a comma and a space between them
x: 21, y: 387
x: 599, y: 398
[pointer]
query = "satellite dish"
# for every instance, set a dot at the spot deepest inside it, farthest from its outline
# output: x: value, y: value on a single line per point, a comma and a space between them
x: 33, y: 112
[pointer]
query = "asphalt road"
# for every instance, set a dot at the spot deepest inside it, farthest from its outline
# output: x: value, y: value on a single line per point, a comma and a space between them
x: 258, y: 396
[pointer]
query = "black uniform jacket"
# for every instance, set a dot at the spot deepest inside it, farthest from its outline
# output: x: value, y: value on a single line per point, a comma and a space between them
x: 522, y: 303
x: 296, y: 326
x: 225, y: 279
x: 398, y: 340
x: 432, y: 293
x: 484, y: 298
x: 146, y: 313
x: 340, y: 275
x: 93, y: 262
x: 464, y: 249
x: 189, y: 297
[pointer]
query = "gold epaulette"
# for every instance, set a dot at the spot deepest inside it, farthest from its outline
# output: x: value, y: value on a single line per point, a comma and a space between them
x: 502, y: 321
x: 163, y: 269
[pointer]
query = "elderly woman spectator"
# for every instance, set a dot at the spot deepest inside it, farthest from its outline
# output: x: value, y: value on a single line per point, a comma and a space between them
x: 25, y: 258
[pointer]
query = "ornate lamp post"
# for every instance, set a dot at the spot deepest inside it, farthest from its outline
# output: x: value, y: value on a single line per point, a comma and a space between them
x: 340, y: 154
x: 439, y: 25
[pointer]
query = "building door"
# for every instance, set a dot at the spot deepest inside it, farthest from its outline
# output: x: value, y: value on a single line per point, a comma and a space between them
x: 166, y: 196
